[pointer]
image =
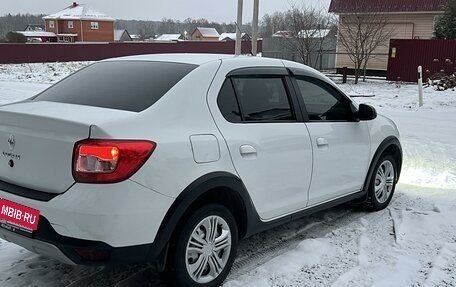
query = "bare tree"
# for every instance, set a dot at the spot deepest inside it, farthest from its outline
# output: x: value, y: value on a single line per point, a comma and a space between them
x: 360, y: 36
x: 305, y: 32
x: 307, y: 27
x: 145, y: 29
x: 278, y: 21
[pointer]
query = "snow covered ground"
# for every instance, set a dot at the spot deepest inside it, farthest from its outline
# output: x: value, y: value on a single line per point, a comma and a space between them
x: 411, y: 243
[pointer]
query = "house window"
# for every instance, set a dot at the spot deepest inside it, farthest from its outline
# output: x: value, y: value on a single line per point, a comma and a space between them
x: 94, y: 25
x: 51, y: 24
x: 70, y: 24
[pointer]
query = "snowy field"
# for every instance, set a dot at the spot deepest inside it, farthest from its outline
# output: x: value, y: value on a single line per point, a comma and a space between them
x: 411, y: 243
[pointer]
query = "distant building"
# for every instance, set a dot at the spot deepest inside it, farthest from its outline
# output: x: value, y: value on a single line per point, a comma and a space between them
x: 35, y: 33
x: 122, y: 35
x: 34, y: 27
x: 282, y: 34
x: 322, y: 54
x: 316, y: 33
x: 232, y: 37
x: 205, y: 34
x: 135, y: 37
x: 79, y: 23
x: 38, y: 36
x: 170, y: 37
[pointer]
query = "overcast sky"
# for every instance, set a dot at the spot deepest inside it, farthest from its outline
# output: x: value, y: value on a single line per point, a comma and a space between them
x: 213, y: 10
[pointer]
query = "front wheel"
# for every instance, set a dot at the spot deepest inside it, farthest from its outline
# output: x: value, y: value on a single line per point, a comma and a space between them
x: 382, y: 184
x: 205, y: 247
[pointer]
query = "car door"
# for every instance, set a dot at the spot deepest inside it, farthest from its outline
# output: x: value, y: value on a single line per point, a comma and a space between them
x: 267, y: 139
x: 340, y: 142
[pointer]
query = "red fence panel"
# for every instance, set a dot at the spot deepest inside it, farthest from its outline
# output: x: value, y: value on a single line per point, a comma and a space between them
x: 59, y: 52
x: 436, y: 56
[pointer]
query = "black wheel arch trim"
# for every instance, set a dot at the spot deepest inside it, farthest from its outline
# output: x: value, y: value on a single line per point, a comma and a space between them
x: 385, y: 144
x: 190, y: 194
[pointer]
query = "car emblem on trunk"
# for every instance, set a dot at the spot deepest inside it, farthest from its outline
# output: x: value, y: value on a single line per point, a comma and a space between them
x: 11, y: 142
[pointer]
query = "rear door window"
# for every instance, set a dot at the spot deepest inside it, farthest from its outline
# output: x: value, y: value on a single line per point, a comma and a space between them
x: 122, y: 85
x: 263, y: 98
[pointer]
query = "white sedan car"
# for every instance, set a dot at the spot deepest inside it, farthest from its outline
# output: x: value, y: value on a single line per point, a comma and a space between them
x: 174, y: 158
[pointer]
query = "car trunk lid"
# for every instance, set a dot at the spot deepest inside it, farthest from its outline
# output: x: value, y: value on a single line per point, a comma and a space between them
x: 37, y: 141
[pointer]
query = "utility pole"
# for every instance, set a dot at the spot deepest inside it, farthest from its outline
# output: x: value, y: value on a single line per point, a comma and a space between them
x: 238, y: 49
x: 256, y: 9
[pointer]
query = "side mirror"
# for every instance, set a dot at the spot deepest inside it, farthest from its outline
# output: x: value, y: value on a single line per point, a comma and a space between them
x: 366, y: 112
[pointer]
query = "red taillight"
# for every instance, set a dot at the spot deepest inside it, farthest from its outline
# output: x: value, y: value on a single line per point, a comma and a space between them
x: 109, y: 161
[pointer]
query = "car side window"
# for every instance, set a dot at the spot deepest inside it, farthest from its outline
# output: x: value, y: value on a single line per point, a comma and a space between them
x: 228, y: 103
x: 263, y: 98
x: 322, y: 103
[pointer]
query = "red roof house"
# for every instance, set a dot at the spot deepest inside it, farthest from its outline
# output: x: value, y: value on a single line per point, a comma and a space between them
x: 80, y: 23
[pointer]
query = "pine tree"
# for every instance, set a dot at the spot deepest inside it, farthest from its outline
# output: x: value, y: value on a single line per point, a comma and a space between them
x: 445, y: 26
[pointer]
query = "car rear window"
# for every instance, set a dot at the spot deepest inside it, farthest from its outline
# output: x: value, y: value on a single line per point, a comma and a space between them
x: 122, y: 85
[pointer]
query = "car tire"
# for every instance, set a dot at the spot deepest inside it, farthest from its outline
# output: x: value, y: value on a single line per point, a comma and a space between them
x: 382, y: 183
x: 201, y: 257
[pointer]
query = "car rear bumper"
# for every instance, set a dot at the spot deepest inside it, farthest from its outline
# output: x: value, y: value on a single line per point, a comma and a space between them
x: 95, y: 224
x: 45, y: 241
x: 35, y: 246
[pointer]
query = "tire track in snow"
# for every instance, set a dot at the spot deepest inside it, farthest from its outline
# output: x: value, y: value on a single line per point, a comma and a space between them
x: 368, y: 233
x: 331, y: 266
x: 443, y: 270
x: 262, y: 247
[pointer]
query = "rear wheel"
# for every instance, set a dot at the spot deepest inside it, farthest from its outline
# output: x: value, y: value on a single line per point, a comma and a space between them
x: 382, y: 184
x: 205, y: 247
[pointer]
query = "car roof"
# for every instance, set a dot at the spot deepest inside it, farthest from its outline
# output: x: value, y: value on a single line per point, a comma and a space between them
x: 194, y: 59
x: 197, y: 59
x: 201, y: 59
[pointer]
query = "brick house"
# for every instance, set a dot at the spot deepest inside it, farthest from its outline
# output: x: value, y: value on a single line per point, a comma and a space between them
x: 79, y: 23
x: 408, y: 19
x: 205, y: 34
